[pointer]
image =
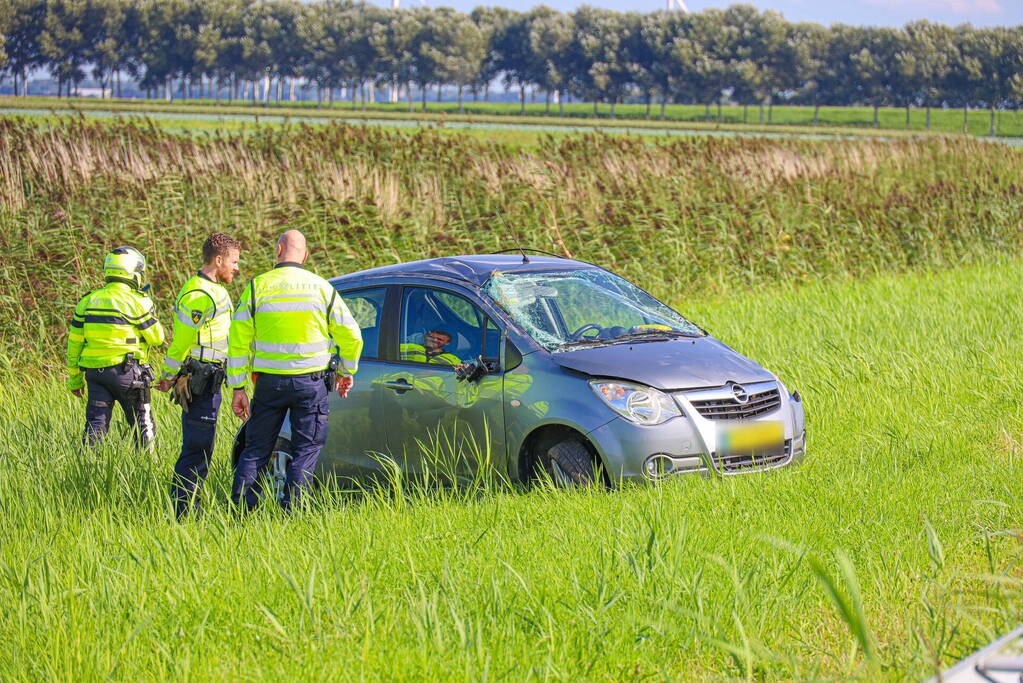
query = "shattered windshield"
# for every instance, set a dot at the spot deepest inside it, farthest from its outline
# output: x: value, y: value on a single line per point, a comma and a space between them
x: 585, y: 307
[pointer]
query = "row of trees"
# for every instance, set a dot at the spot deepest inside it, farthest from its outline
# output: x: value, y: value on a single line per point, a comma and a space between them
x: 225, y: 47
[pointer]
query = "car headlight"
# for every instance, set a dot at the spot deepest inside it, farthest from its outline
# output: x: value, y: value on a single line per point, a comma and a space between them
x: 635, y: 402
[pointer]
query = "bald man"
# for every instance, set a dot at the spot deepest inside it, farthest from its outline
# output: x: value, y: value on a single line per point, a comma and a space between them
x: 288, y: 325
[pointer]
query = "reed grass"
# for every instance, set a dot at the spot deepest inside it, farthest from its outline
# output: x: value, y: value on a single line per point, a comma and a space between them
x: 696, y: 216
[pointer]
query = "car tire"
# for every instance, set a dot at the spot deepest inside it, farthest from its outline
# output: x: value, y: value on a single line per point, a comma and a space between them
x: 280, y: 456
x: 569, y: 463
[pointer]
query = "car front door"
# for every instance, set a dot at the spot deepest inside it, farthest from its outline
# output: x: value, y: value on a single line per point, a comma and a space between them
x: 436, y: 422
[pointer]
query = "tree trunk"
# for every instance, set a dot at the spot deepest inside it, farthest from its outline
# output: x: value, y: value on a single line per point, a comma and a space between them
x: 291, y: 90
x: 770, y: 112
x: 362, y: 91
x: 561, y: 103
x: 907, y: 117
x: 460, y: 99
x: 877, y: 123
x: 760, y: 119
x: 816, y: 113
x: 928, y: 117
x: 522, y: 99
x: 966, y: 115
x: 719, y: 111
x: 423, y: 93
x: 486, y: 93
x: 351, y: 96
x: 167, y: 90
x: 706, y: 112
x: 14, y: 82
x: 994, y: 123
x: 614, y: 100
x: 266, y: 89
x: 649, y: 102
x: 440, y: 88
x: 547, y: 102
x: 664, y: 105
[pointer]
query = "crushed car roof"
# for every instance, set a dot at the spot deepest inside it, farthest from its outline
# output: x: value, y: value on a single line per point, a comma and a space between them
x: 475, y: 270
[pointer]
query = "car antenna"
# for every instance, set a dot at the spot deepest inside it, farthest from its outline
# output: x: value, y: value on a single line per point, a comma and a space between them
x: 523, y: 250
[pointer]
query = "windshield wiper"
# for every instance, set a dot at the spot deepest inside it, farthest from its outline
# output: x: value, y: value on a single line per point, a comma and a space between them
x: 651, y: 335
x: 589, y: 343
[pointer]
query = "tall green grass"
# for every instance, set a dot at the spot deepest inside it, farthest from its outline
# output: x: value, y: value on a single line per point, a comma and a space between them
x: 692, y: 216
x: 894, y: 549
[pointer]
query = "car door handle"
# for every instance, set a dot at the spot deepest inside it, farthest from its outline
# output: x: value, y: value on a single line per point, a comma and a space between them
x: 401, y: 386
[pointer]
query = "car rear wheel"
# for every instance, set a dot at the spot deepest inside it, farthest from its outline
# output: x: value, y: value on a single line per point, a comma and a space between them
x: 569, y: 463
x: 279, y: 459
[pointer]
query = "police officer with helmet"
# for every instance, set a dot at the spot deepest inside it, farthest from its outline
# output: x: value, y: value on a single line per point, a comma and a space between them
x: 284, y: 330
x: 112, y: 330
x: 194, y: 364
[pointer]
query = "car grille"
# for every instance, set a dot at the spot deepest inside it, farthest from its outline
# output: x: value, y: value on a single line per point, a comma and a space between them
x: 756, y: 461
x: 730, y: 409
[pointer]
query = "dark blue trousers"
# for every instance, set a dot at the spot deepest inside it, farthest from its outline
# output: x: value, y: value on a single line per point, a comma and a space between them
x: 198, y: 432
x: 306, y: 397
x: 127, y: 385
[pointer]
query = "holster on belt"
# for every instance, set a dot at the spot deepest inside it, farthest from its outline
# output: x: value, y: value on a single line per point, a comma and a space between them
x: 142, y: 378
x: 196, y: 378
x: 330, y: 373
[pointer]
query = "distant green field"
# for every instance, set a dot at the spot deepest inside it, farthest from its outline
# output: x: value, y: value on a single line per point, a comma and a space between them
x: 832, y: 120
x: 908, y: 507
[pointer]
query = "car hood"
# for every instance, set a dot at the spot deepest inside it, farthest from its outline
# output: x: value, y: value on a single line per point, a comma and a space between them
x: 672, y: 364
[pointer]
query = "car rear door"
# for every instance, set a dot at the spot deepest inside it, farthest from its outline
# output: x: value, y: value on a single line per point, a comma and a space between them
x: 356, y: 435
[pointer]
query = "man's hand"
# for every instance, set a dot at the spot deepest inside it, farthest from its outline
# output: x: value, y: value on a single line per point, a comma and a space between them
x: 77, y: 392
x: 344, y: 383
x: 240, y: 404
x: 164, y: 385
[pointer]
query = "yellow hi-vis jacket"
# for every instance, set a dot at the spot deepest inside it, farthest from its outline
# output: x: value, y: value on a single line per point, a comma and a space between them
x: 418, y: 353
x: 202, y: 320
x: 288, y: 322
x: 107, y: 325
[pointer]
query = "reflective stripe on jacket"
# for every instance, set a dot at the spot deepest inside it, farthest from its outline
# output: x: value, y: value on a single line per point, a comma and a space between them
x: 202, y: 320
x: 418, y: 354
x: 288, y: 322
x: 107, y: 325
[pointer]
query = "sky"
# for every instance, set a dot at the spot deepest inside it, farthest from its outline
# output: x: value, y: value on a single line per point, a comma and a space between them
x: 860, y: 12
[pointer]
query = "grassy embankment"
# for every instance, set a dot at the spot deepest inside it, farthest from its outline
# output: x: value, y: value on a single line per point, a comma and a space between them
x: 690, y: 217
x: 909, y: 506
x: 854, y: 121
x: 910, y: 381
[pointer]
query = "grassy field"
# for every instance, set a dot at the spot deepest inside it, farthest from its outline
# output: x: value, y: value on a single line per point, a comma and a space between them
x: 692, y: 215
x: 854, y: 121
x: 879, y: 278
x: 908, y: 508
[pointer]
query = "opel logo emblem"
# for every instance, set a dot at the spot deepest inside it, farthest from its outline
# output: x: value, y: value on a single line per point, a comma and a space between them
x: 740, y: 394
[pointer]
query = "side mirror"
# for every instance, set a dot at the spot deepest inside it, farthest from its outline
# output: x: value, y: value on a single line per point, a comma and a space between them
x: 473, y: 370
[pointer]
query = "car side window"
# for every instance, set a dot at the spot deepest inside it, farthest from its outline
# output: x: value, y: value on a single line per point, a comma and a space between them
x: 443, y: 328
x: 367, y: 307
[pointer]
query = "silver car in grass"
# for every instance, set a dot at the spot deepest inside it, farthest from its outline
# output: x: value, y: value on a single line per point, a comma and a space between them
x: 537, y: 364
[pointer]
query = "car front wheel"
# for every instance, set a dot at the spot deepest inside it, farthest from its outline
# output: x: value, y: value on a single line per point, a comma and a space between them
x: 569, y: 464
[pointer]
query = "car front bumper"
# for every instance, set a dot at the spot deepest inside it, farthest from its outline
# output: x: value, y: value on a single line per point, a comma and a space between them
x: 686, y: 445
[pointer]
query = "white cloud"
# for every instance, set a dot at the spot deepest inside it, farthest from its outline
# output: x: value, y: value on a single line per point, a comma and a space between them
x: 961, y: 7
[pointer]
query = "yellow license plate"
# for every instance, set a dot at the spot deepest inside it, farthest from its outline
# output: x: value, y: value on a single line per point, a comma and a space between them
x: 748, y: 437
